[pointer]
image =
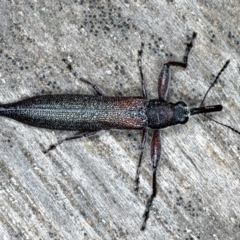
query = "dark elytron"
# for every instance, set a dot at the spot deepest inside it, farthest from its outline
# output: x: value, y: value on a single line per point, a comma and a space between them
x: 79, y: 112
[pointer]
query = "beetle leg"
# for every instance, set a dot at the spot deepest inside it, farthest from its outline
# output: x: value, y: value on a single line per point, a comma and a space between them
x: 144, y: 90
x: 97, y: 89
x: 144, y: 138
x: 78, y: 135
x: 155, y: 158
x: 164, y: 76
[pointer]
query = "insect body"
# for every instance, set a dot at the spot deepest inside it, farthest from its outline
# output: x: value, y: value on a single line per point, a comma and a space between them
x: 100, y: 112
x: 79, y: 112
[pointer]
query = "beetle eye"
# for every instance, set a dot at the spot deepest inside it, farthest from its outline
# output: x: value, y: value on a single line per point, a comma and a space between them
x: 181, y: 113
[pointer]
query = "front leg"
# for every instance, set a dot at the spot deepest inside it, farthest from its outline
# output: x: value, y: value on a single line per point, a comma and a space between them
x: 164, y: 76
x: 155, y: 158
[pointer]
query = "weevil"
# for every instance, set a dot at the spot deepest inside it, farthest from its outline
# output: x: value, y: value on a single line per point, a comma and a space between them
x: 100, y: 112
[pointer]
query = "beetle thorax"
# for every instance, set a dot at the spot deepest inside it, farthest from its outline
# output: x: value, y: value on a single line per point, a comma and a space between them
x: 162, y: 114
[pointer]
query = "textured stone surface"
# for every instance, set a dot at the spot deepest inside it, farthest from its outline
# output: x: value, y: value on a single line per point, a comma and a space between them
x: 84, y: 188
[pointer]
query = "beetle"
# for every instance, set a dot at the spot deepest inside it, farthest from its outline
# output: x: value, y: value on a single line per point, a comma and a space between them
x: 100, y: 112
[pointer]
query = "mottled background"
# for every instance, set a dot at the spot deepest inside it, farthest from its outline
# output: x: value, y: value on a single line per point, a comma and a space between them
x: 84, y: 188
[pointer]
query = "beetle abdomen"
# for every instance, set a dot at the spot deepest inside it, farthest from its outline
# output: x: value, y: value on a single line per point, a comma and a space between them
x: 79, y: 112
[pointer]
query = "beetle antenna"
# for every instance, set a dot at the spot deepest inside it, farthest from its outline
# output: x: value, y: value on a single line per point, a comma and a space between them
x: 233, y: 129
x: 213, y: 83
x: 215, y: 80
